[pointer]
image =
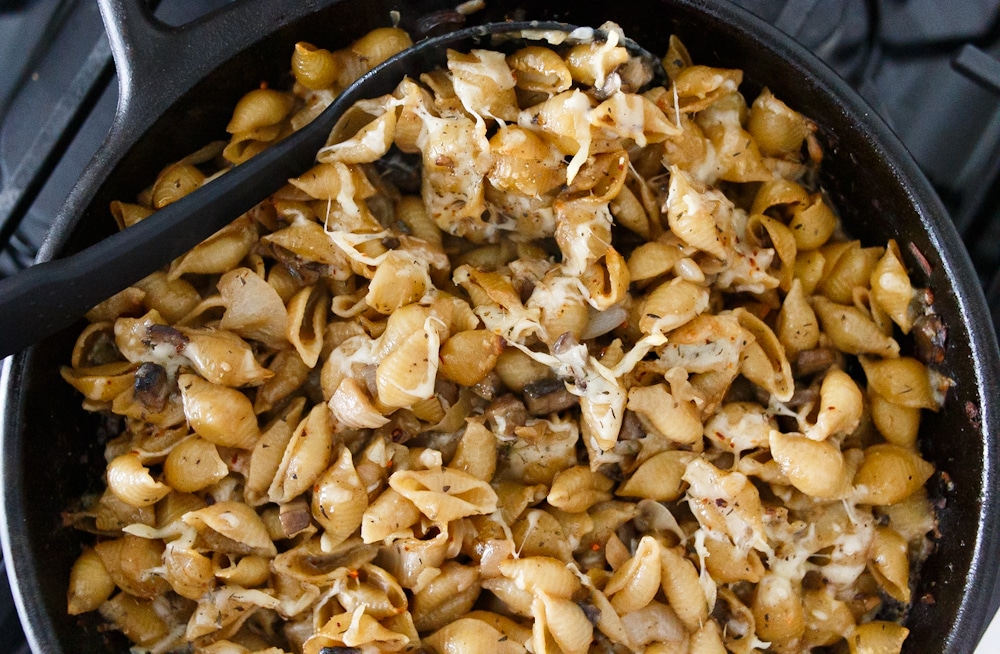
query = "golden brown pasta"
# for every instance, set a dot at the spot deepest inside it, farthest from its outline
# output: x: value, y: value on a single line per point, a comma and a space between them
x: 605, y: 374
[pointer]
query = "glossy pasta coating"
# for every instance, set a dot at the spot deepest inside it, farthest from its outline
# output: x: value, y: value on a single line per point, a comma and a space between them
x: 542, y: 355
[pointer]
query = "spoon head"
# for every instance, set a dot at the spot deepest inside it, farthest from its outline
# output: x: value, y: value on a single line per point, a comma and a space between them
x: 432, y: 53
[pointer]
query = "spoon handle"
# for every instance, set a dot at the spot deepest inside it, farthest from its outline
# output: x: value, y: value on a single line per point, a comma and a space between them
x: 50, y: 296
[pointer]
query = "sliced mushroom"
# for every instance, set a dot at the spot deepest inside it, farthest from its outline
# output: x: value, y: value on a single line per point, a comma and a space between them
x: 548, y: 396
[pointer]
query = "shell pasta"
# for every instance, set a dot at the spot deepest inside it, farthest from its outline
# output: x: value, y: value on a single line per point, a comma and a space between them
x: 544, y: 354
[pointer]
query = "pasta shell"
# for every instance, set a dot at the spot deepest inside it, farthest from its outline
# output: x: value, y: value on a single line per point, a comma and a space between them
x: 680, y: 581
x: 524, y: 163
x: 307, y: 240
x: 219, y: 414
x: 781, y: 239
x: 128, y: 559
x: 194, y: 464
x: 381, y: 43
x: 289, y: 373
x: 449, y: 596
x: 772, y: 370
x: 539, y: 533
x: 690, y: 214
x: 314, y: 68
x: 235, y: 521
x: 363, y: 135
x: 175, y: 505
x: 738, y: 158
x: 658, y: 477
x: 176, y: 181
x: 889, y: 474
x: 707, y: 639
x: 576, y: 489
x: 564, y: 621
x: 630, y: 212
x: 678, y: 420
x: 91, y: 346
x: 742, y: 620
x: 353, y: 629
x: 189, y: 573
x: 739, y: 426
x: 778, y: 197
x: 606, y: 281
x: 777, y: 609
x: 373, y: 588
x: 101, y: 383
x: 339, y: 500
x: 306, y: 456
x: 540, y: 70
x: 672, y: 304
x: 307, y: 313
x: 727, y: 564
x: 841, y: 406
x: 220, y: 252
x: 173, y: 298
x: 877, y: 636
x: 797, y: 327
x: 408, y: 372
x: 260, y: 108
x: 476, y: 453
x: 89, y: 584
x: 541, y: 574
x: 742, y: 519
x: 221, y: 613
x: 851, y: 330
x: 254, y: 310
x: 699, y: 86
x: 222, y: 357
x: 634, y: 585
x: 827, y: 618
x: 809, y: 269
x: 131, y: 482
x: 468, y: 636
x: 812, y: 224
x: 391, y: 513
x: 852, y: 269
x: 816, y: 468
x: 399, y: 280
x: 455, y: 156
x: 248, y: 572
x: 136, y: 618
x: 484, y: 83
x: 892, y: 290
x: 778, y: 130
x: 352, y: 407
x: 127, y: 214
x: 890, y: 563
x: 898, y: 424
x: 591, y: 63
x: 904, y: 381
x: 268, y: 452
x: 401, y: 325
x: 468, y: 356
x: 559, y: 121
x: 653, y: 259
x: 444, y: 494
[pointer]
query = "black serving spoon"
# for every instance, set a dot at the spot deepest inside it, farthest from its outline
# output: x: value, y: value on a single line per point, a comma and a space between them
x: 52, y: 295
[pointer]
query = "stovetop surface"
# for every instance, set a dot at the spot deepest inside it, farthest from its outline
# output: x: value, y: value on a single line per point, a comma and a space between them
x: 930, y: 68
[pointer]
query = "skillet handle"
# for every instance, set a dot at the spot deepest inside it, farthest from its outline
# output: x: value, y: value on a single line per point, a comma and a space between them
x: 158, y: 63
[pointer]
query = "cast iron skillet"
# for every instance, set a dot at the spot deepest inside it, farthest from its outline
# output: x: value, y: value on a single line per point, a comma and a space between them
x: 178, y: 87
